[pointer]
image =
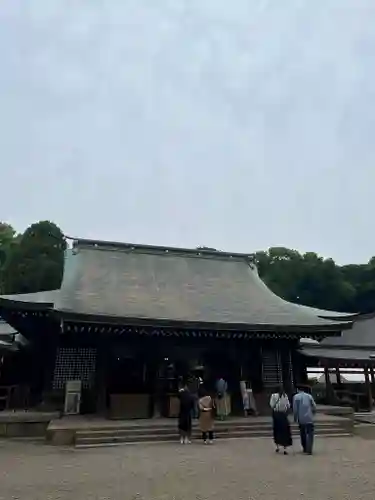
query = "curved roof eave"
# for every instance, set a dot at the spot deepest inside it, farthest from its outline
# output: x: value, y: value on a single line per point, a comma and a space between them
x: 332, y: 317
x: 329, y: 328
x: 344, y: 354
x: 35, y: 300
x: 6, y: 329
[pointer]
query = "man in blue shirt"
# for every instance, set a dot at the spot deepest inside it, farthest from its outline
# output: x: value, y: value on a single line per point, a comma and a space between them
x: 304, y: 409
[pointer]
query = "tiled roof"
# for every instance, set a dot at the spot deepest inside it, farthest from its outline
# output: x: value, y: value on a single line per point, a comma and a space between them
x: 361, y: 335
x: 142, y: 282
x: 358, y: 343
x: 179, y: 285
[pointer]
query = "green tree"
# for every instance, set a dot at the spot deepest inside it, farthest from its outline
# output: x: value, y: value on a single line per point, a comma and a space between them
x: 7, y: 240
x: 362, y: 278
x: 280, y: 268
x: 323, y: 285
x: 37, y: 262
x: 306, y: 279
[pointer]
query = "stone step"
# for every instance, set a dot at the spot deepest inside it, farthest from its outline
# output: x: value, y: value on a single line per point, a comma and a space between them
x: 87, y: 443
x: 93, y: 438
x: 172, y: 423
x: 134, y: 431
x: 72, y: 431
x: 365, y: 431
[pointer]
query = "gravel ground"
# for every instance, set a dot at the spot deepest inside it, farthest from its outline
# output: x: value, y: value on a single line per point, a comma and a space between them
x: 341, y: 469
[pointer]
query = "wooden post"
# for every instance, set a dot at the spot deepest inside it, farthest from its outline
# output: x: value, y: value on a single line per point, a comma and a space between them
x: 368, y: 387
x: 328, y: 385
x: 338, y: 377
x: 372, y: 375
x: 101, y: 376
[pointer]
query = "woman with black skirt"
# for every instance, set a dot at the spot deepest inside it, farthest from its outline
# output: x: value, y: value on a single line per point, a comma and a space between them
x: 184, y: 416
x: 282, y: 434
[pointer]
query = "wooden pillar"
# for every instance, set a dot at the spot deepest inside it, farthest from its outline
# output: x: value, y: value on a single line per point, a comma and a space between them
x: 329, y: 391
x: 368, y: 388
x: 300, y: 365
x: 338, y: 377
x: 101, y: 375
x: 37, y: 372
x: 154, y: 357
x: 159, y: 384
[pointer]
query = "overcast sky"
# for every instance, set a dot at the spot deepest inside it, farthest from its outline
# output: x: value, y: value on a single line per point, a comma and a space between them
x: 239, y: 125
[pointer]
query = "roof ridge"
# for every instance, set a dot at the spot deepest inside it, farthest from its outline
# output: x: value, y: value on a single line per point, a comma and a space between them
x: 115, y: 245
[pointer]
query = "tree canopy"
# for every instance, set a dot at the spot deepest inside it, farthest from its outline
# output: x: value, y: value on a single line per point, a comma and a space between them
x: 34, y: 261
x: 311, y: 280
x: 8, y: 239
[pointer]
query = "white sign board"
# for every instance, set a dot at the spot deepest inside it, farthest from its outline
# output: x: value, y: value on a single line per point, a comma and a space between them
x: 73, y: 390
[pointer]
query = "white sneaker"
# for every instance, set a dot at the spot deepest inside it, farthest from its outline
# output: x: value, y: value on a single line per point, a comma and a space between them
x: 211, y: 441
x: 187, y: 441
x: 205, y: 442
x: 182, y: 440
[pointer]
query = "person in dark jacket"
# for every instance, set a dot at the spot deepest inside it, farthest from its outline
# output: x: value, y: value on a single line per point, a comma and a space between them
x: 185, y: 415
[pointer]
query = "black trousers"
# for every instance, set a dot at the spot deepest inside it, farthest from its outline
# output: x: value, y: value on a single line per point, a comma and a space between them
x: 208, y: 435
x: 307, y: 437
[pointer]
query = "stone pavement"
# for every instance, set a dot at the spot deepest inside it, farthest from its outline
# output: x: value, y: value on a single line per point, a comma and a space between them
x: 341, y: 469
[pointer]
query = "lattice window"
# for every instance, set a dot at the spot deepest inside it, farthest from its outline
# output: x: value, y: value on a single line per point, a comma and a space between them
x: 272, y: 372
x: 74, y: 364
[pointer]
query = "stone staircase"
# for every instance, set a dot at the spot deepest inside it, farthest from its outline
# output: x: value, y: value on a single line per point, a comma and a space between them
x: 151, y: 431
x: 364, y: 425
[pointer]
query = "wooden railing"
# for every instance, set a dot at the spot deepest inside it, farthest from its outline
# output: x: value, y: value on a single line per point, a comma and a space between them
x: 6, y: 395
x: 14, y: 397
x: 342, y: 397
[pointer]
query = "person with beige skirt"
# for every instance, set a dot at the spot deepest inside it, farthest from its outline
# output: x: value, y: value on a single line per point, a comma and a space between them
x: 222, y: 399
x: 206, y: 417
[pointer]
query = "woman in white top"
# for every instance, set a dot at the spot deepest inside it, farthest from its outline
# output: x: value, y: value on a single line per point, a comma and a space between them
x: 280, y: 406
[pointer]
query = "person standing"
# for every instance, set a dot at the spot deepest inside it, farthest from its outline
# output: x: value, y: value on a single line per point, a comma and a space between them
x: 248, y: 400
x: 280, y: 406
x: 197, y: 383
x: 253, y: 405
x: 222, y: 398
x: 304, y: 409
x: 245, y: 397
x: 185, y: 414
x: 206, y: 417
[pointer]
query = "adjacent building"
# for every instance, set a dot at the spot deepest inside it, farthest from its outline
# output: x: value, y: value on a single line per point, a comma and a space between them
x: 354, y: 349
